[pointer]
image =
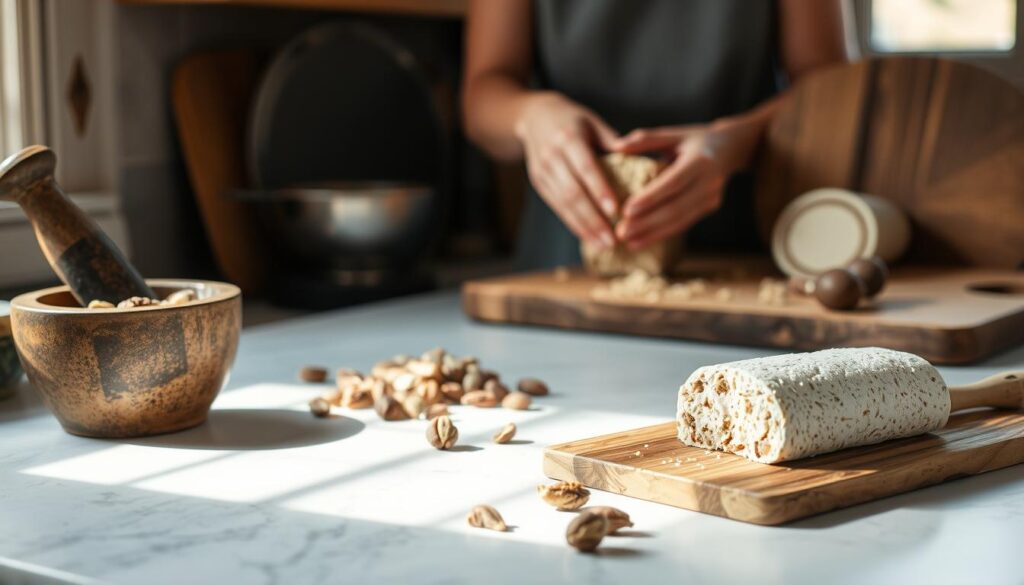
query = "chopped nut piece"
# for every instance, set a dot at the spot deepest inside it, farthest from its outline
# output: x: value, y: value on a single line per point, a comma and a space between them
x: 404, y: 382
x: 434, y: 356
x: 429, y: 391
x: 533, y: 387
x: 564, y: 495
x: 452, y: 391
x: 413, y: 405
x: 389, y: 409
x: 496, y: 388
x: 517, y: 401
x: 313, y: 374
x: 424, y: 369
x: 616, y: 518
x: 484, y: 516
x: 505, y: 434
x: 98, y: 304
x: 479, y: 398
x: 441, y: 433
x: 180, y: 297
x: 137, y: 302
x: 356, y: 397
x: 319, y: 407
x: 472, y: 380
x: 334, y: 397
x: 586, y: 531
x: 436, y: 410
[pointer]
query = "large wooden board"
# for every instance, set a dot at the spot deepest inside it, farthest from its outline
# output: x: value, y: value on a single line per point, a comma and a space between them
x: 943, y: 139
x: 933, y: 312
x: 651, y: 464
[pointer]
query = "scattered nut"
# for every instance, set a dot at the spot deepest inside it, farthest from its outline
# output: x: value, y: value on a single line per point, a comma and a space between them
x: 98, y: 304
x: 320, y: 407
x: 436, y: 410
x: 873, y: 272
x: 533, y: 387
x: 413, y: 405
x: 564, y: 495
x: 313, y: 374
x: 429, y: 391
x: 400, y: 359
x: 452, y: 391
x: 839, y: 289
x: 472, y: 380
x: 389, y: 409
x: 434, y: 356
x: 516, y: 401
x: 137, y: 302
x: 356, y: 397
x: 616, y: 518
x: 486, y: 517
x: 496, y: 388
x: 586, y: 531
x: 441, y: 433
x: 505, y: 434
x: 403, y: 383
x: 180, y: 297
x: 479, y: 398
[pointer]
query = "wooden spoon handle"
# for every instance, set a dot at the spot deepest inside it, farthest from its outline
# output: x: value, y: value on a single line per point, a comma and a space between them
x: 1005, y: 390
x: 75, y: 246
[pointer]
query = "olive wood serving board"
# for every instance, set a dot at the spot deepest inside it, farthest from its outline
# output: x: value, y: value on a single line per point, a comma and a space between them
x: 945, y: 315
x: 642, y: 463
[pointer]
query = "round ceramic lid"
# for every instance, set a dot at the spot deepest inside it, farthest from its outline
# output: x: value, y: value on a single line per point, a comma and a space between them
x: 821, y: 230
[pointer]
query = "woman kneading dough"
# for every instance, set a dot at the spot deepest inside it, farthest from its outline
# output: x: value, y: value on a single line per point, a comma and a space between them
x: 692, y: 83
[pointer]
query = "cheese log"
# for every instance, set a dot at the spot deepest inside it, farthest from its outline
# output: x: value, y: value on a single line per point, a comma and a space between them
x: 791, y: 406
x: 627, y: 175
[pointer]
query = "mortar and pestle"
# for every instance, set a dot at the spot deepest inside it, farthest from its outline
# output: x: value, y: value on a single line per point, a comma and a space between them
x: 112, y: 372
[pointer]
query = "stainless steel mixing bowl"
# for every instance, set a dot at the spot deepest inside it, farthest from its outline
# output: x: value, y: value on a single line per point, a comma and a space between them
x: 350, y: 225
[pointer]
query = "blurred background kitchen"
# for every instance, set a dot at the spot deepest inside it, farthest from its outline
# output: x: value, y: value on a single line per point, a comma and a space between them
x: 311, y: 150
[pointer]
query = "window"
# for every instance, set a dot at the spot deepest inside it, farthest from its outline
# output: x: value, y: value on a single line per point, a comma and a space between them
x: 943, y: 25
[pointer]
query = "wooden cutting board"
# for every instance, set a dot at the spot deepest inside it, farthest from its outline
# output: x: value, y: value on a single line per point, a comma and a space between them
x: 945, y: 315
x: 651, y: 464
x: 941, y: 138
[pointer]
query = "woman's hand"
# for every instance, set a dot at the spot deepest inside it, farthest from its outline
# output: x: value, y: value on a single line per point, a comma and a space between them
x: 559, y: 139
x: 689, y: 188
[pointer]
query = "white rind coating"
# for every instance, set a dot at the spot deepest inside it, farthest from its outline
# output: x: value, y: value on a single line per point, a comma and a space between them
x: 792, y: 406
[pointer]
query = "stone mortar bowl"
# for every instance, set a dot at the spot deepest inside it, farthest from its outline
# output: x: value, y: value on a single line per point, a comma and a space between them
x: 129, y: 372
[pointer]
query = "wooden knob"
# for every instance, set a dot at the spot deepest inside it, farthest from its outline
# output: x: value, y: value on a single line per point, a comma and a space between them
x: 74, y: 245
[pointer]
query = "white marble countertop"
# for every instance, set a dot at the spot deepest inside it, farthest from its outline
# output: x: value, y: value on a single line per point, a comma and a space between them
x: 264, y: 493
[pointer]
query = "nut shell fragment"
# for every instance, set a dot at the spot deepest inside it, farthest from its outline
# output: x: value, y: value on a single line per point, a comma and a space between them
x: 505, y: 434
x: 484, y: 516
x: 565, y: 495
x: 586, y: 531
x: 615, y: 517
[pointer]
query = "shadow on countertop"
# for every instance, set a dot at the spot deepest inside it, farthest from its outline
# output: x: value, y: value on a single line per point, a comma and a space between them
x: 257, y: 429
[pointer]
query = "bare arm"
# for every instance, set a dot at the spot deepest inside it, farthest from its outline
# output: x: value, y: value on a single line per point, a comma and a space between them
x: 497, y: 69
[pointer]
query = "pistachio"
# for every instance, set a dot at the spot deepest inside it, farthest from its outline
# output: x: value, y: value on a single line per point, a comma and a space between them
x: 434, y: 356
x: 313, y: 374
x: 472, y: 380
x: 505, y: 434
x: 586, y: 531
x: 356, y: 397
x: 564, y: 495
x: 98, y: 304
x: 319, y: 407
x: 484, y: 516
x: 517, y: 401
x: 424, y: 369
x: 496, y: 388
x: 479, y: 398
x: 404, y: 382
x: 436, y: 410
x: 452, y: 391
x: 429, y: 391
x: 616, y: 518
x: 389, y: 409
x: 333, y: 397
x: 413, y: 405
x: 533, y: 387
x: 441, y: 433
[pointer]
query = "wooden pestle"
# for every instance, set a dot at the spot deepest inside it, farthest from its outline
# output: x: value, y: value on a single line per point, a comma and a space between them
x: 74, y: 245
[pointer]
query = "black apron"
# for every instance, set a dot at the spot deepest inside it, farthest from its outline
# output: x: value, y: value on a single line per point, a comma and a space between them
x: 644, y: 63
